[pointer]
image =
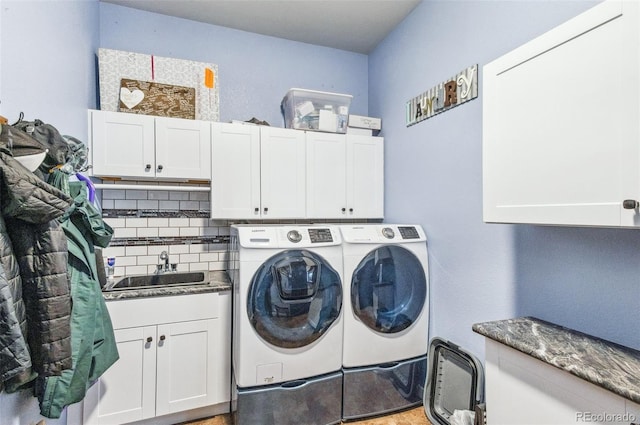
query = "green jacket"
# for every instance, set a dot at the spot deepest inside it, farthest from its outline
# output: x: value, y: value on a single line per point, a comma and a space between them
x: 93, y: 344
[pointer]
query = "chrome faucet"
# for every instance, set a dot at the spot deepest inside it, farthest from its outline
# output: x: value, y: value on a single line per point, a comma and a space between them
x: 164, y: 256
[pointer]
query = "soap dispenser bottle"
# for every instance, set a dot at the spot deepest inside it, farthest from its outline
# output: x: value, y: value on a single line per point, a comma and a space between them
x: 111, y: 268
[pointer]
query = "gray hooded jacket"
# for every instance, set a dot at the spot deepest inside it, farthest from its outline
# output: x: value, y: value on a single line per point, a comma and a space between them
x: 35, y: 302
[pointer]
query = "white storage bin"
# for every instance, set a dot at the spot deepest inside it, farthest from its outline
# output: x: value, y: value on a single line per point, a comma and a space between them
x: 316, y: 110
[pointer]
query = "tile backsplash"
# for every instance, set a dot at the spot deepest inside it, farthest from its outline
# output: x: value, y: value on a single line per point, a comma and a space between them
x: 154, y: 200
x: 148, y: 222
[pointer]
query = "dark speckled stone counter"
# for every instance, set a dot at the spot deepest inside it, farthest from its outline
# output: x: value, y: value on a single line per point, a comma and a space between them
x: 219, y: 281
x: 603, y: 363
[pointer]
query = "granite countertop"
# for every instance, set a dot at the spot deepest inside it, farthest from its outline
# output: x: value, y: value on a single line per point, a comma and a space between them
x: 218, y: 281
x: 603, y: 363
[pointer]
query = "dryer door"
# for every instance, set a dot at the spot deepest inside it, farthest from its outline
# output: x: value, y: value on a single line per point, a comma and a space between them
x: 388, y: 289
x: 294, y: 297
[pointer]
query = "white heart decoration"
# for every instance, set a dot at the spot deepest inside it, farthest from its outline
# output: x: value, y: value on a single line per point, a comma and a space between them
x: 131, y: 98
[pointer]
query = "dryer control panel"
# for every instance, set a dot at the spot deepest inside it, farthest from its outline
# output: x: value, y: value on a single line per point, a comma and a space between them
x: 408, y: 232
x: 382, y: 233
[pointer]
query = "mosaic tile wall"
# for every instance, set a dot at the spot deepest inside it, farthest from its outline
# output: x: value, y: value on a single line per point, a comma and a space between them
x: 148, y: 222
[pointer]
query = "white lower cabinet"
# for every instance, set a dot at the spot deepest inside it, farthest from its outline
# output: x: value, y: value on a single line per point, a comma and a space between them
x: 521, y: 390
x: 174, y: 357
x: 633, y: 412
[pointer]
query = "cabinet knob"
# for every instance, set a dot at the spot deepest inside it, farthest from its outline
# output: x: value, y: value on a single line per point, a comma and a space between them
x: 630, y: 204
x: 160, y: 167
x: 350, y: 210
x: 147, y: 167
x: 149, y: 339
x: 162, y: 337
x: 344, y: 209
x: 257, y: 209
x: 266, y: 209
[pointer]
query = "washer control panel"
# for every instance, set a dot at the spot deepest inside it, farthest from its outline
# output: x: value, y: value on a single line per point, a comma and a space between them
x: 320, y: 235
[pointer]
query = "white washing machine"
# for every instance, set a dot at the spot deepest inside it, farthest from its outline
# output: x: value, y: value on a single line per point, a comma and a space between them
x: 386, y: 318
x: 287, y: 324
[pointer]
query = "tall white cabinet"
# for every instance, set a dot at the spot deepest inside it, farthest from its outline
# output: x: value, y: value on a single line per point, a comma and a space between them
x: 275, y: 173
x: 561, y: 119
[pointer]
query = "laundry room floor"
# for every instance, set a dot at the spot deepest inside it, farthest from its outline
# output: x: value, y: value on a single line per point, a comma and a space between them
x: 414, y: 416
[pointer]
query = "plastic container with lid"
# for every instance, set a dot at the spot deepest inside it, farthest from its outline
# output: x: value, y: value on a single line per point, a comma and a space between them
x: 316, y: 110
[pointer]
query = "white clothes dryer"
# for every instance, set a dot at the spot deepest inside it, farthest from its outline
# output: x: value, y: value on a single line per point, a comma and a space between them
x: 386, y: 317
x: 287, y: 324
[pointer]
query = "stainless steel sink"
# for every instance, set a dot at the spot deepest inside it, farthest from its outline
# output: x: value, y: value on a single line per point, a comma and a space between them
x: 159, y: 280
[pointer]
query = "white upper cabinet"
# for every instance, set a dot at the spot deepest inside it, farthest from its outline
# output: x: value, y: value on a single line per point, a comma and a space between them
x: 282, y: 173
x: 122, y: 144
x: 183, y: 149
x: 258, y: 172
x: 345, y: 176
x: 561, y: 118
x: 235, y: 171
x: 277, y: 173
x: 146, y: 147
x: 365, y: 176
x: 326, y: 175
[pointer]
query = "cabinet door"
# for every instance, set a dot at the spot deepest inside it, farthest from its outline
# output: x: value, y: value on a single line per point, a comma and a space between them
x: 282, y: 173
x: 185, y: 379
x: 126, y: 392
x: 365, y: 176
x: 525, y: 391
x: 235, y: 171
x: 561, y: 128
x: 326, y: 175
x: 183, y: 148
x: 633, y: 411
x: 122, y: 144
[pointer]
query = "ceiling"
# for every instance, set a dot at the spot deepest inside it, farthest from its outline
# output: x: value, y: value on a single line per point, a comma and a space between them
x: 352, y: 25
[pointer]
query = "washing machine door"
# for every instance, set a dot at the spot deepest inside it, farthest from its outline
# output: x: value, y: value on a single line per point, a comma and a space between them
x: 294, y: 298
x: 388, y: 289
